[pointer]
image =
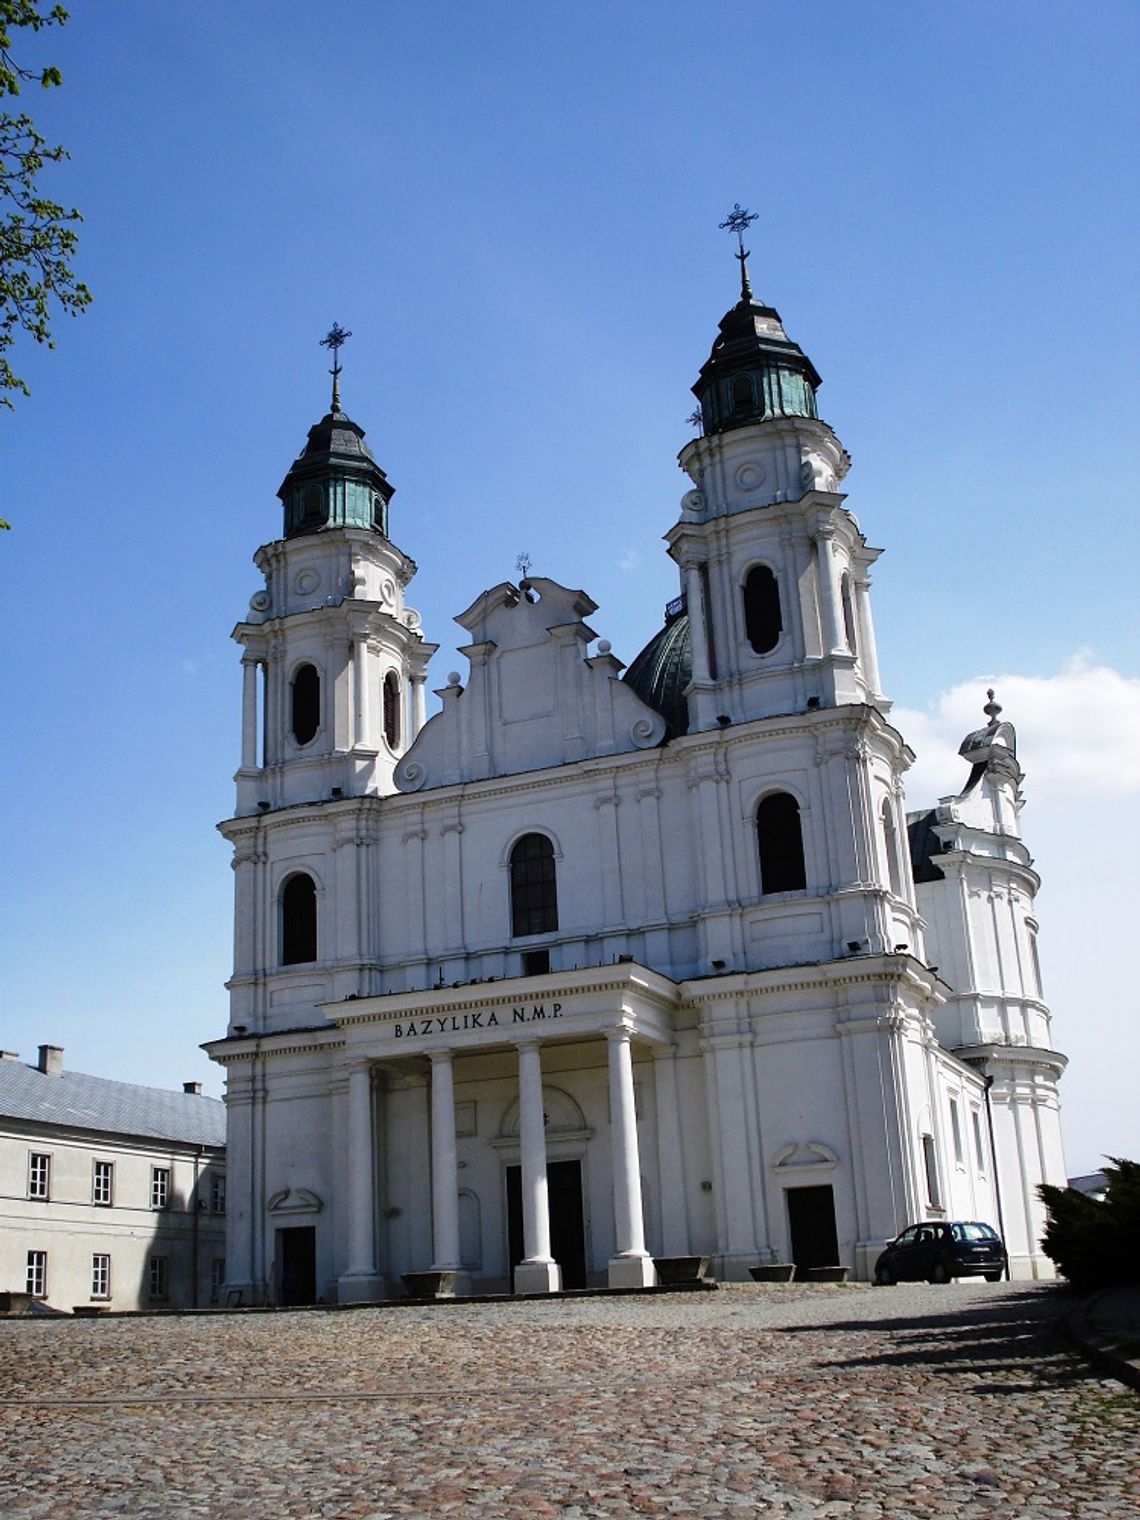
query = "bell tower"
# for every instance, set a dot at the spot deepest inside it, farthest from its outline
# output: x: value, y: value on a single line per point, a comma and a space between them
x: 775, y: 572
x: 334, y: 663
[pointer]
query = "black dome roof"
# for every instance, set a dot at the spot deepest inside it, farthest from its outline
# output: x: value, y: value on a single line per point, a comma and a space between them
x: 662, y: 671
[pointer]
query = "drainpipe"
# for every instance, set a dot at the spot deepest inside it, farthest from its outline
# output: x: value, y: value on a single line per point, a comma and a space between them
x: 997, y: 1177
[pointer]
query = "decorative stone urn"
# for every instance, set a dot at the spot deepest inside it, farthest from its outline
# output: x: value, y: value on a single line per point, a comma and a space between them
x: 773, y: 1272
x: 434, y: 1284
x: 674, y: 1270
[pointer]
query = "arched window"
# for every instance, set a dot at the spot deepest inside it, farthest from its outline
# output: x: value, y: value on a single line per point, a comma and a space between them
x: 534, y: 892
x: 891, y: 837
x: 392, y: 709
x: 762, y: 621
x: 306, y: 703
x: 781, y: 844
x: 298, y: 920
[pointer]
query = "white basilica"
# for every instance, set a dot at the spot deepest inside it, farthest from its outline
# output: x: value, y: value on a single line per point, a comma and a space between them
x: 592, y: 968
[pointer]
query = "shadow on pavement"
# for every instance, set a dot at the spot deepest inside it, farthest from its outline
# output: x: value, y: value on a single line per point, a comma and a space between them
x: 1005, y: 1336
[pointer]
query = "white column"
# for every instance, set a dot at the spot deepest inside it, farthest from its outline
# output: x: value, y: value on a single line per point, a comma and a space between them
x: 868, y: 652
x: 362, y: 737
x: 631, y: 1266
x: 670, y: 1154
x: 419, y: 701
x: 249, y: 714
x: 698, y: 626
x: 538, y: 1272
x: 361, y: 1280
x: 445, y: 1173
x: 831, y: 614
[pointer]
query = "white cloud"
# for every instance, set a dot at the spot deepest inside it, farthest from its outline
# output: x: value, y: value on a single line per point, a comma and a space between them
x: 630, y: 560
x: 1078, y: 734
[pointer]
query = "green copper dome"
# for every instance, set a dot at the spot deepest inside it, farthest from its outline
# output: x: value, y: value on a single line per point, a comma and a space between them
x: 335, y: 482
x: 754, y: 371
x: 662, y: 671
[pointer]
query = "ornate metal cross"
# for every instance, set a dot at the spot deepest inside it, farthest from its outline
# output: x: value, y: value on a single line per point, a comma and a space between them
x: 738, y: 220
x: 335, y: 341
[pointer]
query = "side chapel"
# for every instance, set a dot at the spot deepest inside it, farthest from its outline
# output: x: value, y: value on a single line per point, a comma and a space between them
x: 596, y: 964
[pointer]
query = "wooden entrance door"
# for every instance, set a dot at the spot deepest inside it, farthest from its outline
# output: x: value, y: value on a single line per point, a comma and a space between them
x: 567, y: 1222
x: 811, y: 1218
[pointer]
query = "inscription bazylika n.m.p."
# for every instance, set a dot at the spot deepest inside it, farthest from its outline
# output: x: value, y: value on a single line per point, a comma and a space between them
x: 456, y: 1023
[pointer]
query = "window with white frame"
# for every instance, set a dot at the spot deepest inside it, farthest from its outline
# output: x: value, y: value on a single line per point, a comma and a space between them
x: 218, y: 1193
x: 100, y: 1275
x: 159, y: 1187
x: 35, y: 1282
x: 39, y: 1175
x: 159, y: 1277
x: 979, y: 1148
x: 103, y: 1183
x: 217, y: 1278
x: 956, y: 1133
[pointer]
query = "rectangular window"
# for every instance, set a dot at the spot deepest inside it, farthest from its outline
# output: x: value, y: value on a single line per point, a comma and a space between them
x: 39, y: 1175
x: 159, y: 1187
x: 100, y: 1275
x: 36, y: 1281
x: 218, y: 1193
x: 933, y: 1193
x: 217, y: 1278
x: 956, y: 1133
x: 979, y: 1149
x: 159, y: 1283
x: 103, y: 1183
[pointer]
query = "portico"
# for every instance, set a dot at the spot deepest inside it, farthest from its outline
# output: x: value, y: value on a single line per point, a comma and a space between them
x: 441, y: 1034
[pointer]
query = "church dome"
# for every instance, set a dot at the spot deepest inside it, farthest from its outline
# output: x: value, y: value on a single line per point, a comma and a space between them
x: 754, y: 371
x: 662, y: 671
x: 335, y: 482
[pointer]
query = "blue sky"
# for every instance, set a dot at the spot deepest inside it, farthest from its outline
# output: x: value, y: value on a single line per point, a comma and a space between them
x: 514, y: 208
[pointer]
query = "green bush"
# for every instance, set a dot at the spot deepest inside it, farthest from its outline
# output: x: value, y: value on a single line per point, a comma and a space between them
x: 1095, y: 1243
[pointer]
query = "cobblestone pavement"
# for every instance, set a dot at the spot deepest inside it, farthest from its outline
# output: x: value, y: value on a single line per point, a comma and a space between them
x: 789, y: 1403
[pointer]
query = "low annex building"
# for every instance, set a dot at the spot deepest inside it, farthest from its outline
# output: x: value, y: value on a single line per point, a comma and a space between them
x: 597, y: 965
x: 112, y: 1196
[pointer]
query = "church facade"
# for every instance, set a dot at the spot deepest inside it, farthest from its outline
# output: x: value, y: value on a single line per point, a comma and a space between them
x: 600, y: 965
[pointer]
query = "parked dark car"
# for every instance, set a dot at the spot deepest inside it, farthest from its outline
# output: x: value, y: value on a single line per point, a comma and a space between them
x: 938, y: 1250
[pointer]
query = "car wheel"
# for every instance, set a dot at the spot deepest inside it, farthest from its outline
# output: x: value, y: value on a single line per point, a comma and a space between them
x: 884, y: 1277
x: 938, y: 1273
x: 992, y: 1276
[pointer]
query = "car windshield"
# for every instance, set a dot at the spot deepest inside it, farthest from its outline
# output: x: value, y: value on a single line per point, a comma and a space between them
x: 973, y: 1232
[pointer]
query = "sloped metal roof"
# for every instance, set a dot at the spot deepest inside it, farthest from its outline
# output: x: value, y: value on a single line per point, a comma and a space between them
x: 76, y: 1101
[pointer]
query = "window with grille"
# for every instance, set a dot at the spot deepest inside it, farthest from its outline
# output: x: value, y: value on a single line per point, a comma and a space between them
x: 392, y: 709
x: 956, y: 1133
x: 100, y: 1275
x: 35, y: 1282
x: 217, y: 1278
x: 299, y: 920
x: 103, y: 1183
x: 159, y: 1277
x: 979, y: 1148
x: 218, y: 1193
x: 39, y: 1175
x: 534, y: 891
x: 780, y: 839
x: 159, y: 1187
x: 930, y: 1163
